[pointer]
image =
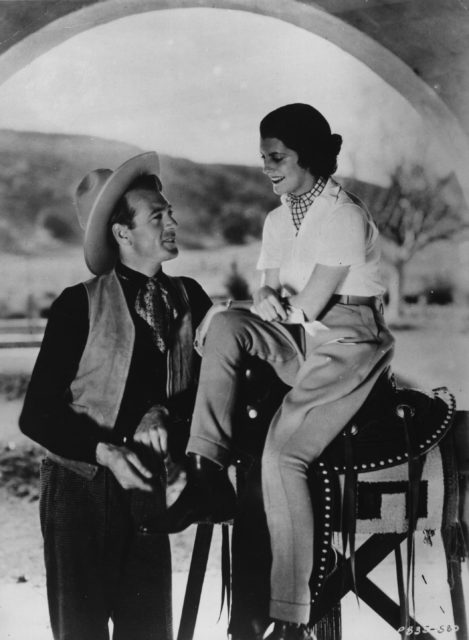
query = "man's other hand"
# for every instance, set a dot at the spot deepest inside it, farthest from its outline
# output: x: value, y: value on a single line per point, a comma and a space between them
x: 125, y: 465
x: 152, y: 431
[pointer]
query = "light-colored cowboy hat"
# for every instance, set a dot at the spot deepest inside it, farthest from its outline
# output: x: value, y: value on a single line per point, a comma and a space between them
x: 95, y: 199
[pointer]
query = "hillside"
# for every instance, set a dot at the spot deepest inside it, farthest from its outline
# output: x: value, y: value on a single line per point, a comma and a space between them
x: 215, y: 204
x: 39, y: 172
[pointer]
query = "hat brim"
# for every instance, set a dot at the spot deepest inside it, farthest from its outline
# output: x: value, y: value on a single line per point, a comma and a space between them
x: 100, y: 254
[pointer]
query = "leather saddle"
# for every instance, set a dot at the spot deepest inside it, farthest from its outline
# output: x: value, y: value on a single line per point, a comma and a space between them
x: 393, y: 426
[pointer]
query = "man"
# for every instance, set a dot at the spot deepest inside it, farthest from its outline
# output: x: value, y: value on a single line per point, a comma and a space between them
x: 113, y: 381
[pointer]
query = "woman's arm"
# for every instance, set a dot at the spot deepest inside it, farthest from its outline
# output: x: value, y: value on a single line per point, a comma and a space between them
x: 342, y: 244
x: 322, y: 284
x: 267, y: 301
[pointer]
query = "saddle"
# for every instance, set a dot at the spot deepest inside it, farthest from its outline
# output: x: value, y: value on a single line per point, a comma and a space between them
x: 393, y: 426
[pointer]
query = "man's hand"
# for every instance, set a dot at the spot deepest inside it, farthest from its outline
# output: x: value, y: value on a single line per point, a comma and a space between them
x: 269, y: 305
x: 125, y: 465
x: 152, y: 432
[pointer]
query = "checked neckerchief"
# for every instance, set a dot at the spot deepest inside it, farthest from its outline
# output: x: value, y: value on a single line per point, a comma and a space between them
x: 155, y: 306
x: 299, y: 205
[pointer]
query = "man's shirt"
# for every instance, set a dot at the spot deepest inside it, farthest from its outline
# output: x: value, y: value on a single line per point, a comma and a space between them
x: 47, y: 416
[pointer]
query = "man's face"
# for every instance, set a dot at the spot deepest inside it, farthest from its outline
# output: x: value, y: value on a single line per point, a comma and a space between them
x: 153, y: 236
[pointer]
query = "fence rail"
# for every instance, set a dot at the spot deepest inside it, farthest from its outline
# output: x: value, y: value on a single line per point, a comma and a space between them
x: 21, y: 332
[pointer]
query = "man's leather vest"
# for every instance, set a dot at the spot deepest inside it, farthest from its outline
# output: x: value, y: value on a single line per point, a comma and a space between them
x: 100, y: 381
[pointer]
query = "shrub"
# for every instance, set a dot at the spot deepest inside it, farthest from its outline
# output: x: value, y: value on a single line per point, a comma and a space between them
x: 236, y: 285
x: 238, y: 225
x: 13, y: 385
x: 440, y: 291
x: 19, y: 470
x: 58, y: 227
x: 233, y: 228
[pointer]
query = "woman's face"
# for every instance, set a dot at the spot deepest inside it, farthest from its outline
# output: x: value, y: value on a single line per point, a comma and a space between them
x: 281, y: 166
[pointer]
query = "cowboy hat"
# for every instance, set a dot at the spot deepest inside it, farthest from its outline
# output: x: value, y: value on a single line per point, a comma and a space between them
x: 95, y: 199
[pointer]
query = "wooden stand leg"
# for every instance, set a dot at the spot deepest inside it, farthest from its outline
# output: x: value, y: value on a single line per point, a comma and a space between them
x: 195, y: 581
x: 368, y: 556
x: 459, y: 607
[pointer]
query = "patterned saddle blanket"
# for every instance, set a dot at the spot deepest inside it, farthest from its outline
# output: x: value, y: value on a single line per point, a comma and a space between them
x: 382, y: 500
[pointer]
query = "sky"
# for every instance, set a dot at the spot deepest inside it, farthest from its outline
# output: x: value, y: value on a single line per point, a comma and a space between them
x: 195, y: 83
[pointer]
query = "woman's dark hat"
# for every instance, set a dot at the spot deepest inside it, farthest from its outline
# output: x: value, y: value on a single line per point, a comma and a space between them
x: 95, y: 199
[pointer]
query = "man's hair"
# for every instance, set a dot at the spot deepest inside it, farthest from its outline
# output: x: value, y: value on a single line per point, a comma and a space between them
x: 306, y: 131
x: 124, y: 213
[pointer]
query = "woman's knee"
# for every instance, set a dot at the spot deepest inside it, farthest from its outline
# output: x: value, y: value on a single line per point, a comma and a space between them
x: 224, y: 323
x: 226, y: 330
x: 292, y: 458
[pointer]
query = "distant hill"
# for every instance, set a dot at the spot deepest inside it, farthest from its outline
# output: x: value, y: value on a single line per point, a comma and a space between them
x: 216, y: 204
x: 39, y: 173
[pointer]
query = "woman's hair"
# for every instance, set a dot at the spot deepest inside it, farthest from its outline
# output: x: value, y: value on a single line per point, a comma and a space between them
x: 303, y: 129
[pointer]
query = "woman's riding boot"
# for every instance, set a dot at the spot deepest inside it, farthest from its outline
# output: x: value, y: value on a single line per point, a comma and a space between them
x: 248, y: 629
x: 291, y: 631
x: 208, y: 496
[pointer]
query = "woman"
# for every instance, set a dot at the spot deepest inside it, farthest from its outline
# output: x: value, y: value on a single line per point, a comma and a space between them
x: 320, y: 271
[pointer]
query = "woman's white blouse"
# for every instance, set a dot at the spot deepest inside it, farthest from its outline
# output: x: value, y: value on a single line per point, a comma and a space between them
x: 336, y: 230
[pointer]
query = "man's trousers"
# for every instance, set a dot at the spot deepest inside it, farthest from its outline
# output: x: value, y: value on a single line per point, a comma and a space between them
x: 101, y: 562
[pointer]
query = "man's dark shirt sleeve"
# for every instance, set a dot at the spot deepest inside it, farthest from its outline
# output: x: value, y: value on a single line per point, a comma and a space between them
x: 181, y: 405
x: 47, y: 417
x: 199, y: 301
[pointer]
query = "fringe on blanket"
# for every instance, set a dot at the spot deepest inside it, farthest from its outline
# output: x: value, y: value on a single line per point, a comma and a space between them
x: 451, y: 530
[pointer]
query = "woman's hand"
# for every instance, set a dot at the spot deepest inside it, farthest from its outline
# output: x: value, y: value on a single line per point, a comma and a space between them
x: 268, y: 305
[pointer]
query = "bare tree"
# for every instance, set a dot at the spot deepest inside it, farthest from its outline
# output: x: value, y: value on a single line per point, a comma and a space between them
x: 416, y: 212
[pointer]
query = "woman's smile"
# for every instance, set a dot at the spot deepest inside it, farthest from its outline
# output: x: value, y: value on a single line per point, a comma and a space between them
x: 282, y: 168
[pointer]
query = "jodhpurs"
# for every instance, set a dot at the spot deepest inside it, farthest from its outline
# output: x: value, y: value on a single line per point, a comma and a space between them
x: 330, y: 380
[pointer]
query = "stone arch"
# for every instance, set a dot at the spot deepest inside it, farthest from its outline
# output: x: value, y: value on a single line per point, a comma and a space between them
x: 434, y: 112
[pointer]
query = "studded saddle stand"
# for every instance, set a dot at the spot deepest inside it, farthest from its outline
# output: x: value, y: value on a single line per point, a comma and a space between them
x: 393, y: 427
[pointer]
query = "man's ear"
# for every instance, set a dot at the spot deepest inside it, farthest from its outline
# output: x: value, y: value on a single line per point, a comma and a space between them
x: 120, y: 233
